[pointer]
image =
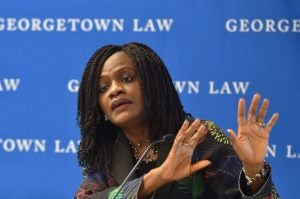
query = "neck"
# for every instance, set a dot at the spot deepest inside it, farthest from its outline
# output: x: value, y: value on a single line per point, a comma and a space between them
x: 137, y: 134
x: 138, y: 137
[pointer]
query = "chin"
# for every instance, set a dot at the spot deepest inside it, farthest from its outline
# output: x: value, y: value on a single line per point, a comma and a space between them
x: 126, y: 119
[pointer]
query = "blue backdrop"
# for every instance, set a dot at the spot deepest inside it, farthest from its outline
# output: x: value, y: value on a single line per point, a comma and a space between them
x: 216, y: 52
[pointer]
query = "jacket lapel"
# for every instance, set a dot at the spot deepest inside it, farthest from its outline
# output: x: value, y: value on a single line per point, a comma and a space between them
x: 164, y: 191
x: 122, y: 163
x: 122, y: 160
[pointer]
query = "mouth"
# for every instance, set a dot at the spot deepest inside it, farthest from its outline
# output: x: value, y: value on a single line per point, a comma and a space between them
x: 120, y: 102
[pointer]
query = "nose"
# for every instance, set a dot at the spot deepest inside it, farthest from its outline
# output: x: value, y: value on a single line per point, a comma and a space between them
x: 116, y: 89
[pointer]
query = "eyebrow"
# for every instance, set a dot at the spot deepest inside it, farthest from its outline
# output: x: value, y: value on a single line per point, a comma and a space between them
x: 121, y: 68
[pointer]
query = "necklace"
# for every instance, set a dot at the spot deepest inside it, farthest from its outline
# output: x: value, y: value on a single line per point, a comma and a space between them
x: 139, y: 149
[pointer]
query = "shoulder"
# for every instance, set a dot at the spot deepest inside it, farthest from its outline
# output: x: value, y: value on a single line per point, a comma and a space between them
x: 93, y: 181
x: 215, y: 132
x: 93, y: 174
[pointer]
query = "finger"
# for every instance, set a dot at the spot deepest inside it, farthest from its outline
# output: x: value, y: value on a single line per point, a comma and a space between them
x: 272, y: 122
x: 199, y: 165
x: 202, y: 138
x: 181, y: 133
x: 234, y: 140
x: 253, y: 108
x: 200, y: 134
x: 241, y: 113
x: 262, y: 111
x: 192, y: 129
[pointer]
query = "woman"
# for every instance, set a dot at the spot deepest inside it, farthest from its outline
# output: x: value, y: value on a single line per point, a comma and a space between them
x: 127, y: 100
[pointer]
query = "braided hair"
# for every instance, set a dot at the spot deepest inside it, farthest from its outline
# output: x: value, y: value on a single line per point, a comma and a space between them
x: 163, y: 110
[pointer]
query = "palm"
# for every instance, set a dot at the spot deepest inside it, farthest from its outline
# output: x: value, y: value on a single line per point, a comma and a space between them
x: 252, y: 139
x: 178, y: 163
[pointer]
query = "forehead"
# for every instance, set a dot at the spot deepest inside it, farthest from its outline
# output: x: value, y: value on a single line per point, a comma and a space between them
x: 117, y: 61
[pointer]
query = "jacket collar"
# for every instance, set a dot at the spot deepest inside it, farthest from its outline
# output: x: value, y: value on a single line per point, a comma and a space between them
x: 122, y: 159
x: 122, y: 163
x: 164, y: 191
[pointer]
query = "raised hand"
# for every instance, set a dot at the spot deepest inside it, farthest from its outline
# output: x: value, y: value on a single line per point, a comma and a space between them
x: 252, y: 137
x: 178, y: 163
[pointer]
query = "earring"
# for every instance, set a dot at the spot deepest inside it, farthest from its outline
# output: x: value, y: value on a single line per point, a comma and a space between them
x: 105, y: 118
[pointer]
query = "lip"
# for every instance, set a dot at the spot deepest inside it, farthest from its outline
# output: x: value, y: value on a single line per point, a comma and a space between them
x: 119, y: 102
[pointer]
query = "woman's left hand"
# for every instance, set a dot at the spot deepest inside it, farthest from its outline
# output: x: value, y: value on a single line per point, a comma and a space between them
x: 252, y: 137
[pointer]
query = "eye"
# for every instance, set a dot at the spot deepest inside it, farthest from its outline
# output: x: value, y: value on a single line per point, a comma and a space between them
x: 126, y: 78
x: 103, y: 88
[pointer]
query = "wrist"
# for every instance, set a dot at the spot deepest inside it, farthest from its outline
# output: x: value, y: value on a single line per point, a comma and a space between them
x: 151, y: 182
x: 155, y: 178
x: 254, y: 174
x: 159, y: 173
x: 252, y: 169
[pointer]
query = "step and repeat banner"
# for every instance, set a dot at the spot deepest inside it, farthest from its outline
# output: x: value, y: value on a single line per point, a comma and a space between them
x: 216, y: 52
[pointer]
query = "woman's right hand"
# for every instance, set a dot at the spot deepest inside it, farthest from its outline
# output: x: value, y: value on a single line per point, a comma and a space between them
x: 178, y: 163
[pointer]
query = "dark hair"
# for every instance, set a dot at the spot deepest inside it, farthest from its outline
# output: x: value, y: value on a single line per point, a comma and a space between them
x: 163, y: 109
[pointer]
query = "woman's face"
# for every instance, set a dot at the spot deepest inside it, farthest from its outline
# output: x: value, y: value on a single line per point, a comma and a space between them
x: 120, y: 95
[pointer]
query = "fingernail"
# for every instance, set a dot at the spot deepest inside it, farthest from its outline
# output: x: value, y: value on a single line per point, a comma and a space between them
x: 208, y: 163
x: 186, y: 122
x: 202, y: 127
x: 229, y: 132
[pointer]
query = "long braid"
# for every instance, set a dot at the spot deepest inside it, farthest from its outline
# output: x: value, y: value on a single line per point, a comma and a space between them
x: 93, y: 151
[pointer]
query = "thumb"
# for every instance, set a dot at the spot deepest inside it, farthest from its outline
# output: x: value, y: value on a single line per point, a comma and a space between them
x: 233, y: 139
x: 199, y: 165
